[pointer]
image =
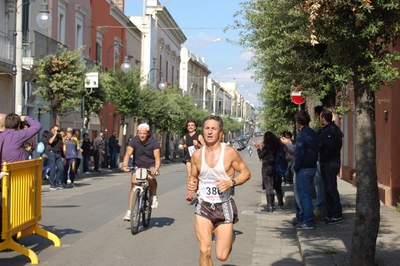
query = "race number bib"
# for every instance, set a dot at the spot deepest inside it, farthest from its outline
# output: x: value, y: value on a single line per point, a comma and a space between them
x: 211, y: 191
x: 192, y: 149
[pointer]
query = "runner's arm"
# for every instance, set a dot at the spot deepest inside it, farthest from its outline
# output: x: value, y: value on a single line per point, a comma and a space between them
x: 193, y: 179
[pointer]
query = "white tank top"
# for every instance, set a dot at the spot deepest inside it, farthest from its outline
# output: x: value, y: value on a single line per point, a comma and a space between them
x: 208, y: 190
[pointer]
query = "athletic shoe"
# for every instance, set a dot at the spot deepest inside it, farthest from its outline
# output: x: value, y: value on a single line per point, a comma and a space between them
x: 69, y: 181
x: 53, y: 188
x: 334, y: 220
x: 88, y: 173
x: 127, y: 216
x: 295, y: 221
x: 325, y: 219
x: 304, y: 226
x: 60, y: 187
x: 154, y: 204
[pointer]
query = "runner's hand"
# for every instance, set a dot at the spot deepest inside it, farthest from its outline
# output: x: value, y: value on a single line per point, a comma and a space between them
x: 223, y: 185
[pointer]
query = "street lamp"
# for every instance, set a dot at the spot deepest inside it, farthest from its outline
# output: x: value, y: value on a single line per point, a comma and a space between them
x: 215, y: 40
x: 43, y: 19
x: 126, y: 65
x: 161, y: 86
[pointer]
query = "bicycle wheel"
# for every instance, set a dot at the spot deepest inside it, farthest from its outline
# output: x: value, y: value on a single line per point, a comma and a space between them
x: 147, y: 208
x: 135, y: 213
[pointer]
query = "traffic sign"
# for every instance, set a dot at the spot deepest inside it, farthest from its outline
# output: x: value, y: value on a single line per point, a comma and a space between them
x: 297, y: 97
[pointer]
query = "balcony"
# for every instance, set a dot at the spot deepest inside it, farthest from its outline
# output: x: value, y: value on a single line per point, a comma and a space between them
x: 7, y: 48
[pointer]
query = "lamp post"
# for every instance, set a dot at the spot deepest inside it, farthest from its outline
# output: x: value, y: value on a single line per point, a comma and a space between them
x: 161, y: 86
x: 43, y: 19
x: 125, y: 67
x: 215, y: 40
x: 216, y: 91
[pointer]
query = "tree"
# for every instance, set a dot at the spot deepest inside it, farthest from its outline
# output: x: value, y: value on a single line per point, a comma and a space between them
x: 360, y: 36
x: 276, y: 32
x: 60, y: 77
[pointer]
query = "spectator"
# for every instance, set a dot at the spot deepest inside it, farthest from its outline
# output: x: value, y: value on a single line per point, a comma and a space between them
x: 13, y: 138
x: 304, y: 166
x: 288, y: 178
x: 45, y: 140
x: 28, y: 150
x: 117, y: 153
x: 78, y: 159
x: 318, y: 182
x: 87, y: 149
x: 267, y: 150
x: 55, y: 159
x: 112, y: 145
x: 329, y: 150
x: 98, y: 145
x: 71, y: 153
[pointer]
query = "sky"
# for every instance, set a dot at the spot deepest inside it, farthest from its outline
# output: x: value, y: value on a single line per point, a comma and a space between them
x: 203, y: 21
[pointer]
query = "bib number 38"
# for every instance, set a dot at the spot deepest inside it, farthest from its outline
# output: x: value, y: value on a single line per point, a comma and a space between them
x: 213, y: 191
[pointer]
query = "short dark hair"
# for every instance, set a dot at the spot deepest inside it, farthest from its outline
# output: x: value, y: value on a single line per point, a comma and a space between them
x: 327, y: 115
x: 287, y: 134
x: 27, y: 144
x: 12, y: 121
x: 302, y: 117
x: 85, y: 134
x: 318, y: 109
x: 216, y: 118
x: 196, y: 124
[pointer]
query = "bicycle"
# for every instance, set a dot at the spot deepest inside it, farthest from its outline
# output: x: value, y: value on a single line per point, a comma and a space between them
x: 141, y: 201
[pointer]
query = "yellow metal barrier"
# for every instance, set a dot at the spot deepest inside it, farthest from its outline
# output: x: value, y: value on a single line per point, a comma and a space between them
x: 22, y: 206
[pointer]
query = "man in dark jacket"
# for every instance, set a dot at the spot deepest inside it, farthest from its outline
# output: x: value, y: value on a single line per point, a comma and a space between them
x: 329, y: 152
x: 112, y: 146
x: 304, y: 165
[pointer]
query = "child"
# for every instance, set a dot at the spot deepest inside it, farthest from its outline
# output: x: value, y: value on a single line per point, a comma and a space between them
x: 28, y: 150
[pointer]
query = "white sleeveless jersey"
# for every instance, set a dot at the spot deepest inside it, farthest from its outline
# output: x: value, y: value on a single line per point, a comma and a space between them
x: 208, y: 190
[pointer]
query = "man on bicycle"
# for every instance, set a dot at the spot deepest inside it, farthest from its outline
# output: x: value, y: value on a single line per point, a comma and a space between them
x: 146, y: 152
x: 213, y: 174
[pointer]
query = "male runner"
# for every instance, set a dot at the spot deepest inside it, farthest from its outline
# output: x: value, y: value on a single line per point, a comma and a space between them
x: 191, y: 142
x: 213, y: 174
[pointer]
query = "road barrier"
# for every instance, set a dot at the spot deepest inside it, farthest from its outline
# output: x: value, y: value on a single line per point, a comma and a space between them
x: 22, y: 206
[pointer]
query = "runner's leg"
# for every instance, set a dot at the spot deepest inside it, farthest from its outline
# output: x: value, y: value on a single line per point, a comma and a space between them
x: 224, y: 234
x: 204, y: 228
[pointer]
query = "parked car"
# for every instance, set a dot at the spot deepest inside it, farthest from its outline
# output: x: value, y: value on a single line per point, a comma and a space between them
x: 237, y: 144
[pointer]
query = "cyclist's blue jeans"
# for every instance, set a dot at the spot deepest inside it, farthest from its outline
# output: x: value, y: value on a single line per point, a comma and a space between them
x: 329, y: 174
x: 303, y: 179
x: 319, y: 189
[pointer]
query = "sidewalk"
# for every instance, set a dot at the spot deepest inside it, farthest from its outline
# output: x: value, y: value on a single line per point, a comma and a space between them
x: 331, y: 244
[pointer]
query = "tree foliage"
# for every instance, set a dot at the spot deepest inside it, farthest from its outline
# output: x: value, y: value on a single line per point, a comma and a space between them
x: 324, y: 45
x: 60, y: 77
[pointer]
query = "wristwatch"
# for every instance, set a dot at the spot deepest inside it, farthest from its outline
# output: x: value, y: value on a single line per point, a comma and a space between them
x: 233, y: 183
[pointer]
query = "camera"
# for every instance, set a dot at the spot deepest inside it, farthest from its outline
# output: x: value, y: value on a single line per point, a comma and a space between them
x: 23, y: 124
x: 58, y: 131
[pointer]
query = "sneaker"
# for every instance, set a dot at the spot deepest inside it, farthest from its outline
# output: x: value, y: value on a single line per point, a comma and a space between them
x: 88, y: 173
x: 325, y: 219
x: 53, y: 188
x: 154, y: 205
x: 60, y: 187
x: 127, y: 216
x: 295, y: 221
x: 69, y: 181
x: 334, y: 220
x: 304, y: 226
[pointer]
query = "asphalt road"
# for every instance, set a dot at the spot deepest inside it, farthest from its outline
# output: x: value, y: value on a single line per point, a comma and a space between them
x: 88, y: 220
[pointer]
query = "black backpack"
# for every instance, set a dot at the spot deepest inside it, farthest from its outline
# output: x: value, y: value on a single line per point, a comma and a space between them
x: 281, y: 164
